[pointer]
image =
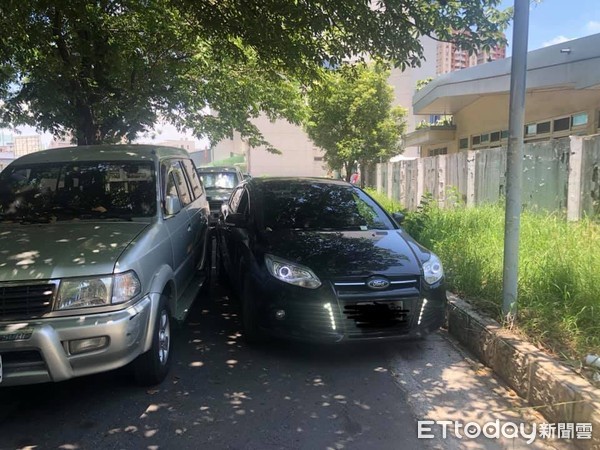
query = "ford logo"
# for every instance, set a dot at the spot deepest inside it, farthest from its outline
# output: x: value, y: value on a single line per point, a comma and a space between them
x: 378, y: 283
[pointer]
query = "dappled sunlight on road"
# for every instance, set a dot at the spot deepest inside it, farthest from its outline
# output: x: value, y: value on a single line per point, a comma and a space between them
x: 223, y: 392
x: 447, y: 385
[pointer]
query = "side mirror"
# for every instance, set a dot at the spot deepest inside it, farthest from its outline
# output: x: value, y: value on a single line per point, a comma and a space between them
x: 398, y: 217
x: 236, y: 220
x: 172, y: 205
x: 247, y: 176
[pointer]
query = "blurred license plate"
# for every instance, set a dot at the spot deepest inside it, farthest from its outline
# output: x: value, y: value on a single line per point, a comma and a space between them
x: 394, y: 306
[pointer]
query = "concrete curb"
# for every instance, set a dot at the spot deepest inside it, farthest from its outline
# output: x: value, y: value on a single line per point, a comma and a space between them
x: 559, y: 394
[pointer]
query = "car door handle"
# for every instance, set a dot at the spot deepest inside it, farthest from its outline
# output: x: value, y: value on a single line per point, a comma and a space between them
x: 189, y: 227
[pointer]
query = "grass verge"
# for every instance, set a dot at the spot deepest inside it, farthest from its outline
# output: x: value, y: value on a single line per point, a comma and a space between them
x: 559, y: 273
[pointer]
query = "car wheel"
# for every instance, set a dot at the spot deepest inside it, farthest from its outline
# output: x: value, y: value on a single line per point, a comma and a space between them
x: 250, y: 325
x: 152, y: 367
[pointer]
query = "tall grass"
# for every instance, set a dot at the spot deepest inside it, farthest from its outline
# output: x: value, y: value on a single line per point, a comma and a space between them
x: 559, y: 270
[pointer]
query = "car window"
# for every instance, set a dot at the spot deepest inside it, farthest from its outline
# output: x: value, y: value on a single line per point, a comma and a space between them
x: 219, y: 180
x: 179, y: 179
x: 78, y: 190
x: 320, y: 206
x: 192, y: 175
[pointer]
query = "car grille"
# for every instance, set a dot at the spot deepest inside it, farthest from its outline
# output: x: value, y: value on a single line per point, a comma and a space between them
x: 377, y: 312
x: 22, y: 361
x: 25, y: 302
x: 356, y: 287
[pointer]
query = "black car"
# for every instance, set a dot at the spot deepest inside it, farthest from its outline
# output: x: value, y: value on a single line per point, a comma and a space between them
x: 317, y: 259
x: 219, y: 182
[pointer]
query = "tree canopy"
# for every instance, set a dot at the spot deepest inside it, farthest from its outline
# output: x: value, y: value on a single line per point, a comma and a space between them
x: 107, y: 70
x: 352, y: 119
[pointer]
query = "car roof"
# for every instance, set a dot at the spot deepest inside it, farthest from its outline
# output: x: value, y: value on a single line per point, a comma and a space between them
x: 273, y: 181
x: 102, y: 153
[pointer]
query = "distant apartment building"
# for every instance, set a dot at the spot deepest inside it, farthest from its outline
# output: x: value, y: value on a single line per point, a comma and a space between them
x: 450, y: 57
x: 24, y: 145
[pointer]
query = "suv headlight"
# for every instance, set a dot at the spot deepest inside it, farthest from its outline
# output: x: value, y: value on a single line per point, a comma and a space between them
x: 292, y: 273
x: 101, y: 291
x: 433, y: 270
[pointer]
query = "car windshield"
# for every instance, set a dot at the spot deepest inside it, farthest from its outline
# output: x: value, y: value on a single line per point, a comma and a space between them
x: 320, y: 206
x: 77, y: 190
x: 219, y: 180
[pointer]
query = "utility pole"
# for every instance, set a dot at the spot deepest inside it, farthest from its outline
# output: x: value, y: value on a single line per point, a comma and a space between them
x: 514, y: 158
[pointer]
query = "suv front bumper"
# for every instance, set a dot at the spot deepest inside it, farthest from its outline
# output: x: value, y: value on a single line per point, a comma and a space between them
x: 37, y: 351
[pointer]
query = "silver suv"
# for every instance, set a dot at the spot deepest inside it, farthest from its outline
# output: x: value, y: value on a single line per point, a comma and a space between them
x: 101, y: 247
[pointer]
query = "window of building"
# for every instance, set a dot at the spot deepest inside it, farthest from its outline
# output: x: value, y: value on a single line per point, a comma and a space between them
x: 543, y: 127
x: 561, y: 124
x: 485, y: 138
x: 504, y: 134
x: 495, y: 136
x: 578, y: 120
x: 530, y: 129
x: 318, y: 158
x: 438, y: 151
x: 476, y: 140
x: 463, y: 143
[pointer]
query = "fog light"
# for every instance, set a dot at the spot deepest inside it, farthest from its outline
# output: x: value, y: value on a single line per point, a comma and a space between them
x: 280, y: 314
x: 87, y: 345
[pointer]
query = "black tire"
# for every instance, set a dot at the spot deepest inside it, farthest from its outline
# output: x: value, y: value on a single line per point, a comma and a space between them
x: 152, y: 367
x: 250, y: 325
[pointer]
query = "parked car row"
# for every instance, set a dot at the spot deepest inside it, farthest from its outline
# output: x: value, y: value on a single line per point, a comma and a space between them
x: 103, y: 247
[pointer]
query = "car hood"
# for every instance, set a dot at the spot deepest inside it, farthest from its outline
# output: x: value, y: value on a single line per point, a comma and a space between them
x: 218, y: 194
x: 348, y: 253
x: 63, y: 249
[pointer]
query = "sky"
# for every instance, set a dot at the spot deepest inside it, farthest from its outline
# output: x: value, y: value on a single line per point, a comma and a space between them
x: 556, y: 21
x: 550, y: 22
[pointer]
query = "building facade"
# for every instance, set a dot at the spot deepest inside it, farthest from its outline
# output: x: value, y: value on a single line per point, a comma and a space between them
x: 24, y: 145
x: 562, y: 99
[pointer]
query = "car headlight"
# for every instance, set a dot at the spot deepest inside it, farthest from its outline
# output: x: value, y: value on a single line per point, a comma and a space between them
x: 291, y: 273
x: 101, y: 291
x: 433, y: 270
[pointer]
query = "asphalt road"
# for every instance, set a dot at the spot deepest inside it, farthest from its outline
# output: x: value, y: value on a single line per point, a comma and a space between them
x: 223, y: 394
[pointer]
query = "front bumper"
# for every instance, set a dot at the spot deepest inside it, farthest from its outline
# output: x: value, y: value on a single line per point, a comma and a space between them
x: 321, y: 315
x: 37, y: 351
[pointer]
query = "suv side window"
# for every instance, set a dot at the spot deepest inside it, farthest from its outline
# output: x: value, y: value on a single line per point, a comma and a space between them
x: 173, y: 182
x: 192, y: 175
x: 176, y: 172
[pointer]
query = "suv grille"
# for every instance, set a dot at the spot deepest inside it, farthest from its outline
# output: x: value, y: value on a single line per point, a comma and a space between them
x: 25, y: 302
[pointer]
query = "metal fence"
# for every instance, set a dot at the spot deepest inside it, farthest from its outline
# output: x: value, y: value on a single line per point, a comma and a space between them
x: 558, y: 175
